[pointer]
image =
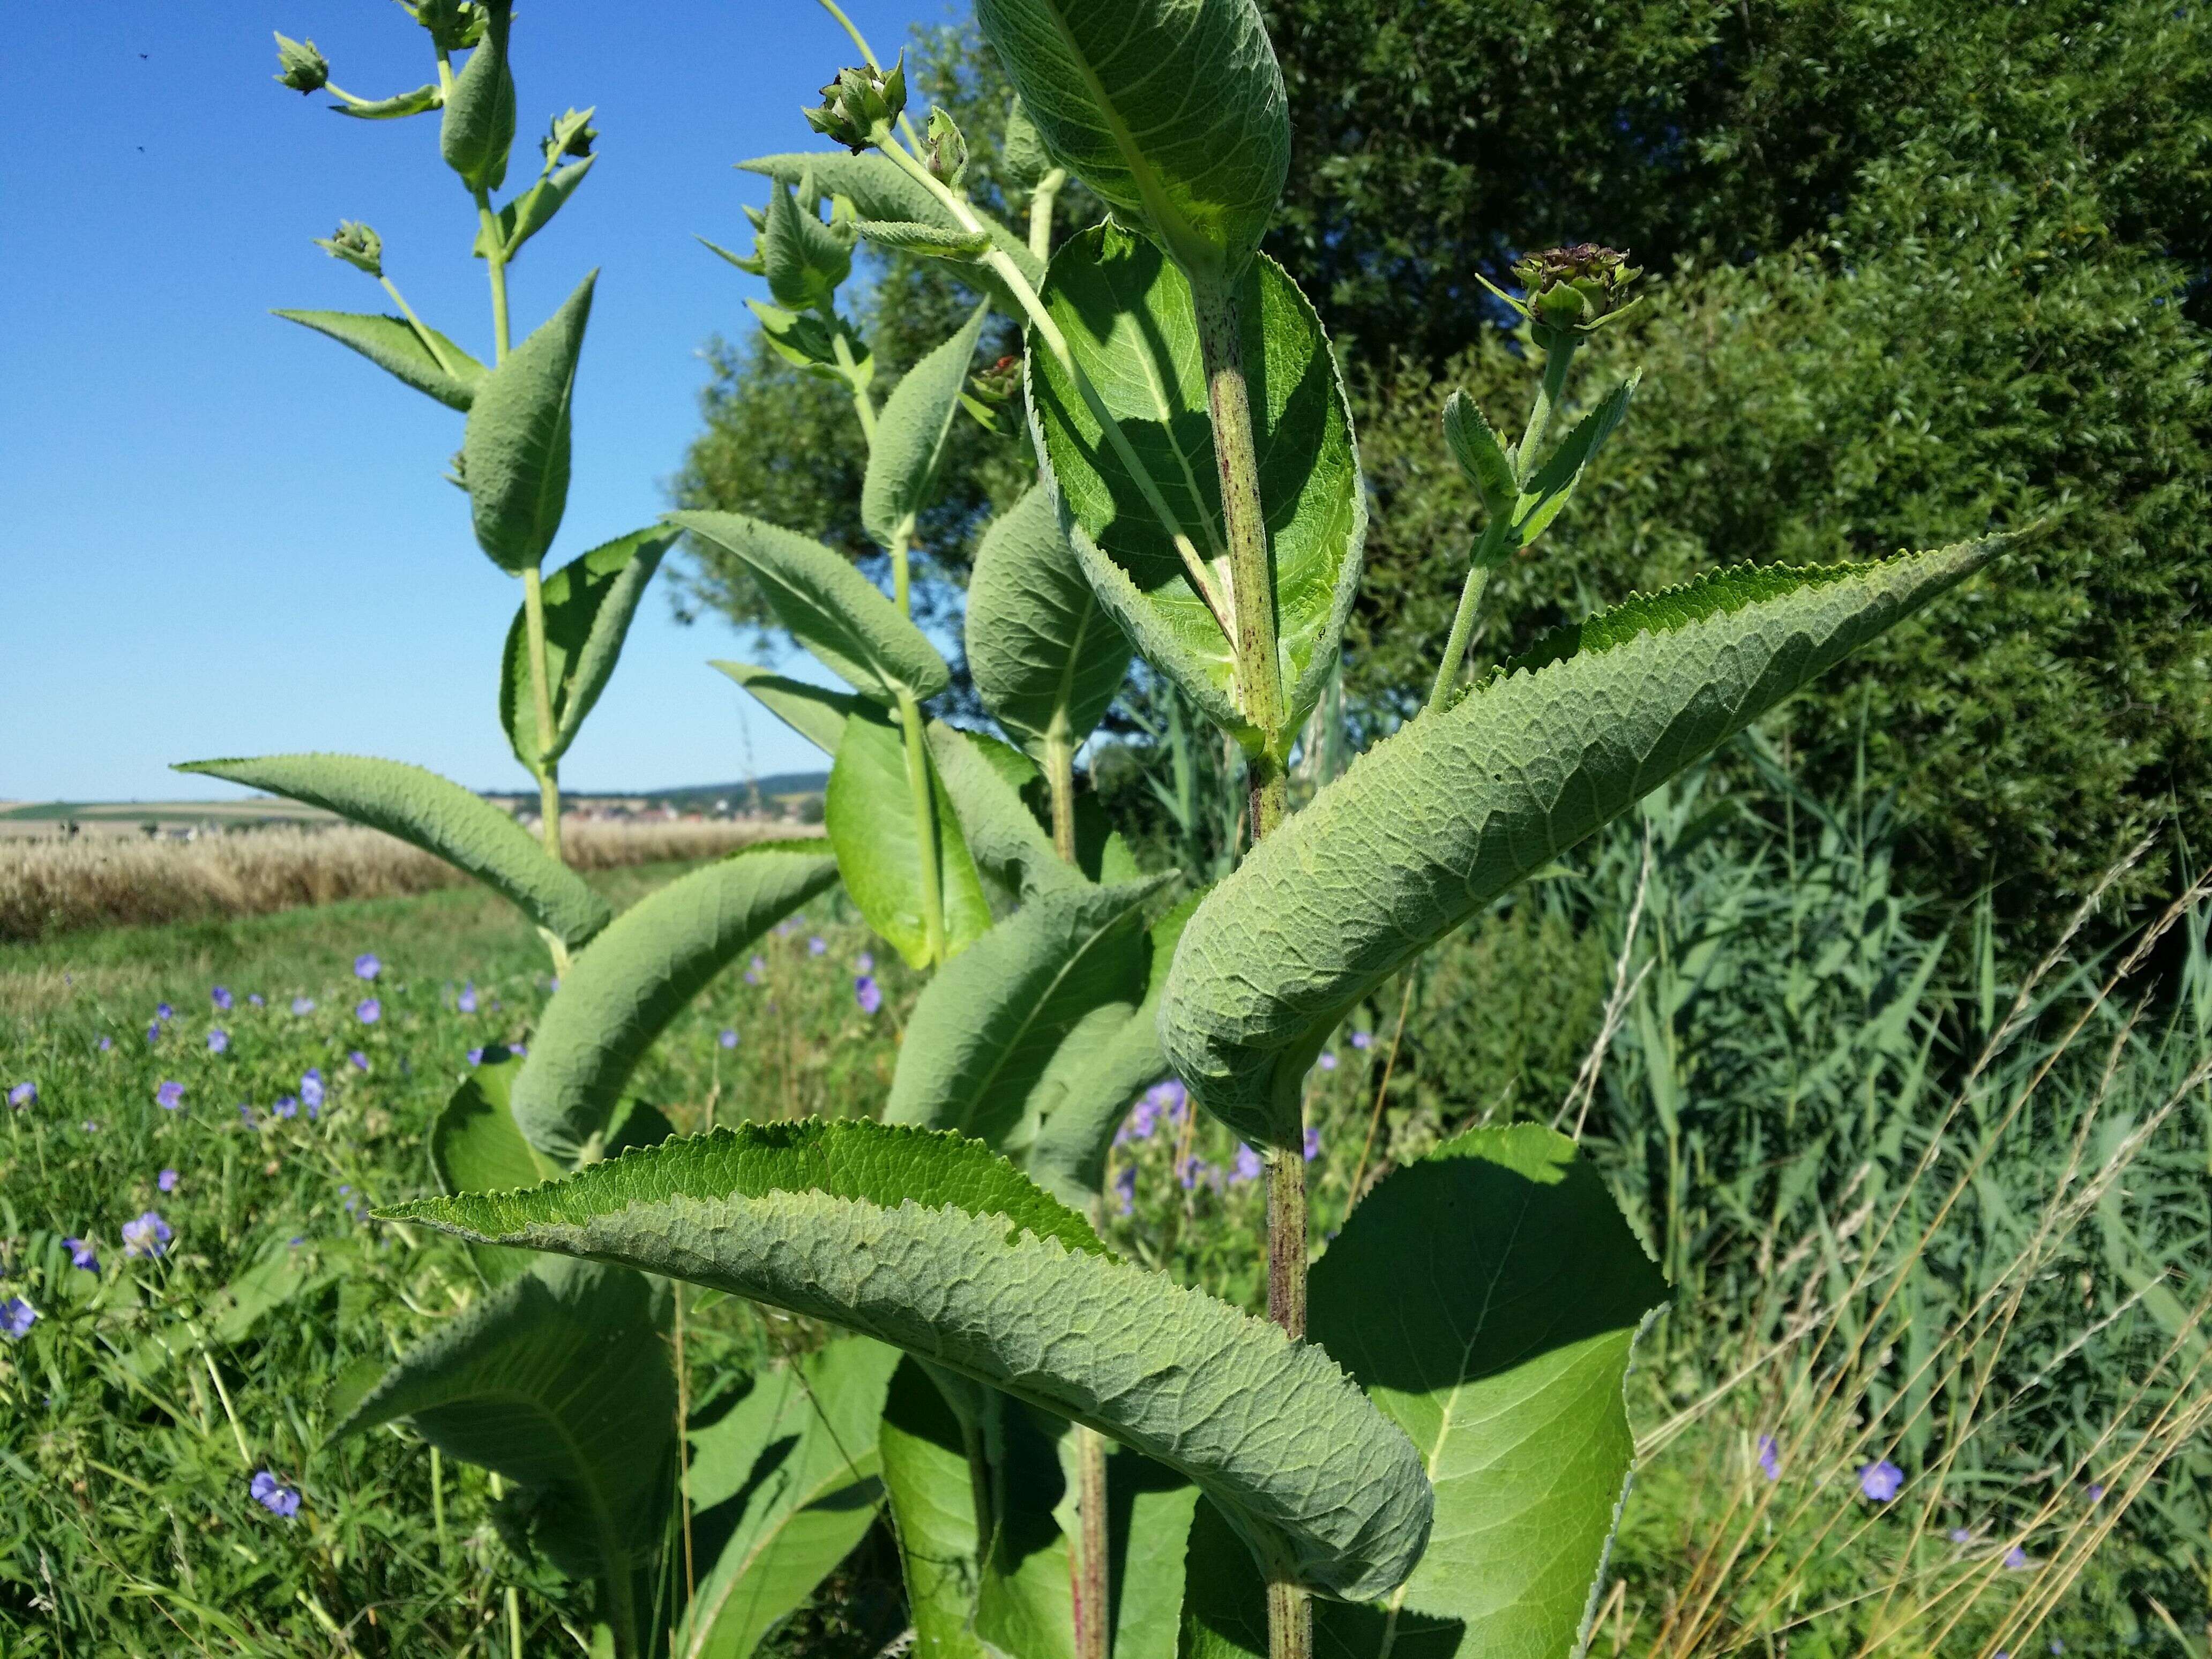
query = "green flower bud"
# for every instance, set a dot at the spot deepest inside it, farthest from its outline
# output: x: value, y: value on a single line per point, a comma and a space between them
x: 304, y: 69
x: 572, y: 135
x: 998, y: 383
x: 454, y: 25
x: 357, y: 245
x: 859, y: 104
x: 944, y: 150
x: 1577, y: 289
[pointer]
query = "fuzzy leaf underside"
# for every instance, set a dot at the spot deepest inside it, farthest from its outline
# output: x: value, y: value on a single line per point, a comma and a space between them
x: 910, y: 434
x: 392, y: 344
x: 815, y: 712
x: 1173, y: 111
x: 438, y: 816
x: 640, y: 974
x: 1046, y: 657
x: 478, y: 130
x: 475, y: 1147
x: 1008, y: 843
x: 1487, y: 1298
x: 515, y: 453
x: 1458, y: 805
x: 849, y: 1225
x: 588, y: 604
x: 868, y: 810
x: 1128, y: 315
x: 831, y: 608
x: 986, y: 1029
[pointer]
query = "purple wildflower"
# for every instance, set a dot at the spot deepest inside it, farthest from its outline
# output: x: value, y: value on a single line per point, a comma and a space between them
x: 169, y: 1097
x: 91, y: 1125
x: 366, y: 966
x: 105, y: 1043
x: 517, y: 1050
x: 867, y: 963
x: 1125, y: 1188
x: 286, y: 1106
x: 728, y: 1039
x: 1960, y: 1535
x: 868, y: 993
x: 25, y: 1093
x: 476, y: 1056
x: 218, y: 1041
x: 16, y: 1318
x: 303, y: 1004
x: 1246, y: 1166
x: 147, y: 1236
x: 153, y: 1032
x: 222, y: 997
x: 2095, y: 1493
x: 162, y: 1011
x: 2016, y: 1558
x: 1312, y: 1144
x: 359, y: 1060
x: 254, y: 997
x: 1881, y: 1481
x: 82, y: 1254
x: 554, y: 983
x: 368, y: 1010
x: 1328, y: 1060
x: 1362, y: 1039
x: 274, y: 1495
x: 311, y: 1088
x: 245, y: 1115
x: 166, y: 1180
x: 1770, y: 1457
x: 816, y: 945
x: 468, y: 998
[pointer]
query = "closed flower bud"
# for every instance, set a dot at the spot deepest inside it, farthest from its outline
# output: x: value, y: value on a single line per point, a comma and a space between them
x: 1579, y: 288
x: 357, y: 245
x: 999, y: 382
x: 572, y: 135
x: 302, y: 68
x: 944, y: 150
x: 454, y: 25
x: 858, y: 103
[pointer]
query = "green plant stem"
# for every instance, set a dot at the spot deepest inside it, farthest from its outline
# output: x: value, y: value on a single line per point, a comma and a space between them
x: 1055, y: 343
x: 863, y: 405
x: 541, y: 687
x: 900, y: 551
x: 925, y: 824
x: 429, y: 340
x: 438, y: 1503
x: 1550, y: 391
x: 514, y: 1624
x: 1059, y: 779
x: 1489, y: 552
x: 1041, y: 205
x: 501, y: 334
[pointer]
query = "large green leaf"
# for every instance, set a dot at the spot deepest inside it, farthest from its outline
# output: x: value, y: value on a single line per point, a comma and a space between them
x: 815, y: 712
x: 392, y: 344
x: 868, y: 810
x: 1009, y: 845
x: 589, y: 602
x: 1432, y: 824
x: 1487, y: 1298
x: 926, y: 1476
x: 932, y: 1244
x: 640, y: 974
x: 476, y: 1147
x: 987, y: 1029
x: 1045, y: 657
x: 477, y: 129
x: 783, y: 1484
x: 515, y: 453
x: 560, y: 1381
x: 831, y: 608
x: 1127, y: 314
x: 438, y: 816
x: 910, y: 434
x: 1172, y: 110
x: 802, y: 259
x: 879, y: 190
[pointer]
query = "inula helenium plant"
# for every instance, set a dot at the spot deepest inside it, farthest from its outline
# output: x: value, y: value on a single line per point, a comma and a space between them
x: 1423, y: 1448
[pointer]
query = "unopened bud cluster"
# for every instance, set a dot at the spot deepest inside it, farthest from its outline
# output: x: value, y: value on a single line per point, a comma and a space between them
x: 454, y: 25
x: 357, y: 245
x: 1576, y: 290
x: 300, y: 66
x: 858, y: 103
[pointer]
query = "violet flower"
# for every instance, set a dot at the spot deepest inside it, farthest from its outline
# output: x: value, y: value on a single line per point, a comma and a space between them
x: 169, y: 1097
x: 274, y: 1495
x: 1881, y: 1481
x: 82, y: 1254
x: 149, y: 1236
x: 366, y: 966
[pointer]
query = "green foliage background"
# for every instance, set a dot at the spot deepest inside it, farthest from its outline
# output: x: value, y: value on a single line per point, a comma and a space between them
x: 1917, y: 271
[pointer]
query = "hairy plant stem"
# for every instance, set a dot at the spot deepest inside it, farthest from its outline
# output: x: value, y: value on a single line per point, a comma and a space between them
x: 863, y: 405
x: 1041, y: 204
x: 541, y: 687
x: 1060, y: 778
x: 429, y: 340
x: 925, y: 824
x: 1259, y: 685
x: 1550, y: 391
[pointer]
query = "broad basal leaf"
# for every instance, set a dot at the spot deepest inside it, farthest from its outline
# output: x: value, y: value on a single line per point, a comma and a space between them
x: 932, y: 1244
x: 783, y: 1484
x: 988, y: 1027
x: 1046, y: 658
x: 1436, y: 821
x: 515, y: 454
x: 815, y: 712
x: 1127, y: 314
x: 1009, y: 845
x: 560, y: 1381
x: 640, y: 974
x: 879, y: 191
x: 448, y: 373
x: 831, y: 608
x: 1172, y: 110
x: 910, y: 434
x: 477, y: 129
x: 1487, y: 1298
x: 868, y: 808
x: 438, y: 816
x: 475, y: 1147
x: 588, y: 606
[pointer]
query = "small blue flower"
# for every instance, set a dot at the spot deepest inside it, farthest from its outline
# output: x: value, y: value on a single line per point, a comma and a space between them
x: 359, y: 1060
x: 16, y: 1318
x: 255, y: 998
x: 366, y: 966
x: 728, y: 1039
x: 817, y: 945
x: 169, y: 1097
x: 245, y: 1114
x: 2095, y: 1493
x: 1245, y: 1167
x: 82, y: 1254
x: 218, y: 1041
x: 222, y: 997
x: 1312, y: 1144
x: 25, y: 1093
x: 1361, y: 1039
x: 1328, y: 1060
x: 868, y: 993
x: 866, y: 965
x: 1125, y: 1188
x: 1881, y: 1481
x: 166, y: 1180
x: 1770, y: 1457
x: 1960, y: 1535
x: 303, y: 1004
x: 274, y: 1495
x: 368, y: 1010
x: 147, y: 1236
x: 153, y: 1032
x: 311, y: 1088
x: 2016, y: 1558
x: 476, y: 1056
x: 162, y: 1011
x: 105, y: 1043
x: 468, y: 998
x: 286, y: 1106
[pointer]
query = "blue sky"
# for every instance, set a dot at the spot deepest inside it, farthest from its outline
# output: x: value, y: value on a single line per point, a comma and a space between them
x: 228, y: 536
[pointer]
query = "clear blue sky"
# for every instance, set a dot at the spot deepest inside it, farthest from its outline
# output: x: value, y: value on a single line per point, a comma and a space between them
x: 228, y: 536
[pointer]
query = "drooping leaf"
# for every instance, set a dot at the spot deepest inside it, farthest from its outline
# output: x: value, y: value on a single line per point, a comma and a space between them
x: 930, y: 1242
x: 588, y: 604
x: 478, y: 130
x: 475, y: 1147
x: 640, y: 974
x: 392, y: 344
x: 868, y: 808
x: 560, y: 1381
x: 1487, y: 1298
x: 438, y: 816
x: 514, y: 454
x: 802, y: 259
x: 1173, y: 111
x: 1127, y: 314
x: 783, y: 1486
x: 532, y: 211
x: 926, y: 1476
x: 831, y: 608
x: 1045, y: 657
x: 424, y: 99
x: 1436, y: 821
x: 910, y: 434
x: 879, y: 191
x: 1554, y: 486
x: 815, y: 712
x: 988, y: 1027
x: 931, y: 241
x: 1009, y: 845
